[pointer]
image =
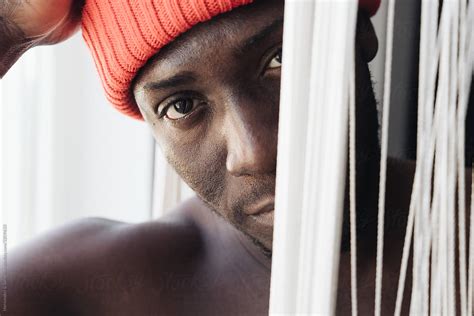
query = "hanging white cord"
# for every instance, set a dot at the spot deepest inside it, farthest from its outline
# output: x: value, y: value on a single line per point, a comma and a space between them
x: 445, y: 135
x: 471, y: 249
x: 425, y: 151
x: 469, y: 22
x: 461, y: 118
x: 410, y: 223
x: 310, y: 185
x: 421, y: 205
x: 452, y: 150
x: 430, y: 13
x: 439, y: 214
x: 469, y: 58
x: 463, y: 90
x: 383, y: 158
x: 352, y: 184
x: 443, y: 187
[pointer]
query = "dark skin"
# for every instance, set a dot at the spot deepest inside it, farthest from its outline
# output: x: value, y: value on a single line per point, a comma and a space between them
x: 222, y: 110
x: 230, y: 122
x: 217, y: 125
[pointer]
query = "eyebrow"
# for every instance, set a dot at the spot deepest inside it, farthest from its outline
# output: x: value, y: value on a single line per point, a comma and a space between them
x: 262, y: 35
x: 182, y: 78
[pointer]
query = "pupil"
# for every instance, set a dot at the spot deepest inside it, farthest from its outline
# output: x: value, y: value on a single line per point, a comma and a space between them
x: 183, y: 106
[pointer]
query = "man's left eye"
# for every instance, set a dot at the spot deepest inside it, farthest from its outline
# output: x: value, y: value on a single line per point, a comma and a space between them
x: 180, y: 108
x: 276, y: 60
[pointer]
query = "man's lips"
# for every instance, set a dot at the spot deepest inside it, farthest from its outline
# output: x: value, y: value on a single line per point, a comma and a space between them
x: 263, y: 206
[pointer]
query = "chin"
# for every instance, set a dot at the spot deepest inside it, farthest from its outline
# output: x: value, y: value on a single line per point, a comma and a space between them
x: 262, y: 238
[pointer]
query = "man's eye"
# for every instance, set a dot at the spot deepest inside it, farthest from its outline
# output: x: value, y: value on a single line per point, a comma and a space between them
x: 180, y: 108
x: 276, y: 61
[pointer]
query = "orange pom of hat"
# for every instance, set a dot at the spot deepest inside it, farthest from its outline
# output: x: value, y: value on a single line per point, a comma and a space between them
x: 123, y: 35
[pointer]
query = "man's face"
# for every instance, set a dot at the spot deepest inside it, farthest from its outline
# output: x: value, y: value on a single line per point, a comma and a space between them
x: 212, y: 99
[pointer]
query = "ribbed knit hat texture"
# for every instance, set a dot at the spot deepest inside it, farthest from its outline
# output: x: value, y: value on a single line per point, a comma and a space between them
x: 123, y: 35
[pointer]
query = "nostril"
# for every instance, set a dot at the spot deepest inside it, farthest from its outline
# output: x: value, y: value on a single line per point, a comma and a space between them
x: 237, y: 165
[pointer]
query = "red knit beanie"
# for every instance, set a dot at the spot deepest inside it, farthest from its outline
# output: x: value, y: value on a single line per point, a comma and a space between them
x: 123, y: 34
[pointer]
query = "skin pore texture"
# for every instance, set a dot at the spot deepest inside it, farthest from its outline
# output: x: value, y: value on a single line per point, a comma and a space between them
x: 211, y: 99
x: 225, y: 148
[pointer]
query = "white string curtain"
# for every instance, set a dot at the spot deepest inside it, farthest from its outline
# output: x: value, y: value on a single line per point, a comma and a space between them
x: 319, y: 55
x: 306, y: 248
x: 65, y: 153
x: 439, y: 242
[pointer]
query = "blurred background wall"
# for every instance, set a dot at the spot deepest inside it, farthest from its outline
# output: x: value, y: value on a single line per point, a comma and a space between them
x: 65, y: 153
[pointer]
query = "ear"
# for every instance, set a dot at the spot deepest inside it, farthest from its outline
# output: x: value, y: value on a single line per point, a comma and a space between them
x: 366, y: 40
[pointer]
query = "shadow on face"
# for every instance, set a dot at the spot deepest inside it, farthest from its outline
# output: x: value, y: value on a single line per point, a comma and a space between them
x: 212, y: 100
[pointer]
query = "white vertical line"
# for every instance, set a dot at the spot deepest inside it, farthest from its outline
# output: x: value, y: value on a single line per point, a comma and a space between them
x: 311, y: 170
x: 465, y: 72
x: 299, y: 18
x: 352, y: 184
x: 152, y: 180
x: 383, y: 160
x: 166, y: 186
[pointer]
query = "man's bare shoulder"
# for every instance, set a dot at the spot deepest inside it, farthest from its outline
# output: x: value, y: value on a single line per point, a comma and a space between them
x: 94, y: 257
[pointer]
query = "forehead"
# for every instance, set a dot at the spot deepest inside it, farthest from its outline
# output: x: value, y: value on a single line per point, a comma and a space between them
x: 228, y: 31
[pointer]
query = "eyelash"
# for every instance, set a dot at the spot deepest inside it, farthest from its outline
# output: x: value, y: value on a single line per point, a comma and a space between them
x: 173, y: 100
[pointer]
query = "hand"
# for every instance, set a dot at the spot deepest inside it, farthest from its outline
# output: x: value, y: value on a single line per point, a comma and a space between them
x: 43, y: 22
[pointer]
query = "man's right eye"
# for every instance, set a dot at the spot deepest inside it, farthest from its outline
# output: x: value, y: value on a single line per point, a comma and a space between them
x: 178, y: 108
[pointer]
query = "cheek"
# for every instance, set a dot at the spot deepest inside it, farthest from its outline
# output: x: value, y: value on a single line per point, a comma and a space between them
x: 200, y: 163
x: 271, y: 89
x: 197, y: 153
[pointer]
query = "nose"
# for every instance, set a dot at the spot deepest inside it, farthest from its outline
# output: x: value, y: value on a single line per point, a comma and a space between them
x: 251, y: 139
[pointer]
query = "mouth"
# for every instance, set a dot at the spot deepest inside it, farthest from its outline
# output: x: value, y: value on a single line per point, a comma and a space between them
x: 264, y: 218
x: 266, y: 205
x: 262, y: 212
